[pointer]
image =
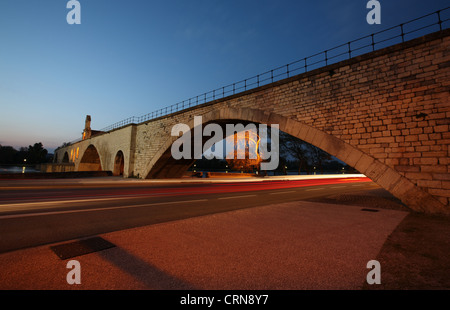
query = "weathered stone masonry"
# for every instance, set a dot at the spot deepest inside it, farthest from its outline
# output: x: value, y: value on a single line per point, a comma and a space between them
x: 386, y: 113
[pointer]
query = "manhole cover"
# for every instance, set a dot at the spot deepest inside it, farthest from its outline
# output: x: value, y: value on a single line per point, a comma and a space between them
x: 81, y: 247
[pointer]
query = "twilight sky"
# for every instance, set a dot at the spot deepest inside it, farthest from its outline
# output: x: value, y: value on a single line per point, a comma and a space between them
x: 129, y: 58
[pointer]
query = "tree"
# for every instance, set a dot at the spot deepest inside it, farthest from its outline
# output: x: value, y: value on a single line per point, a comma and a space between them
x: 319, y: 157
x: 304, y: 153
x: 296, y: 148
x: 33, y: 154
x: 282, y: 165
x: 36, y: 153
x: 7, y: 154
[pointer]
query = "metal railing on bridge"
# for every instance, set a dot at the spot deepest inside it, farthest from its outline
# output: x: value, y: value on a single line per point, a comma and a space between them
x: 426, y: 24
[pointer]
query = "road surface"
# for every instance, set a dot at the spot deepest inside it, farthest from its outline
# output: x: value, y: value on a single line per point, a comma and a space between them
x: 36, y: 213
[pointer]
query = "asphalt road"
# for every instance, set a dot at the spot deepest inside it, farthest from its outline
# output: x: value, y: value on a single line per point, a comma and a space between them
x: 35, y: 213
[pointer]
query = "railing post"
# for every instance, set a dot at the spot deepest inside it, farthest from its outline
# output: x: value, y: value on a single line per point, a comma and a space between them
x: 403, y: 34
x: 287, y: 70
x: 326, y: 58
x: 439, y: 19
x: 373, y: 43
x: 349, y: 51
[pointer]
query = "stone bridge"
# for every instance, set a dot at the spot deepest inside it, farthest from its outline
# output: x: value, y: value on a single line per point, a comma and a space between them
x: 385, y: 113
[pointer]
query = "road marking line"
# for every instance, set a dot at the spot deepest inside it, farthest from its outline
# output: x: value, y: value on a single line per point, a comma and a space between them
x: 336, y: 187
x: 233, y: 197
x: 313, y: 189
x: 96, y: 209
x: 286, y: 192
x: 85, y: 199
x: 66, y: 201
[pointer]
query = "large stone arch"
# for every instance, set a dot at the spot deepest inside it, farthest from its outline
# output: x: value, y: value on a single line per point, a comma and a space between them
x: 388, y: 178
x: 90, y: 161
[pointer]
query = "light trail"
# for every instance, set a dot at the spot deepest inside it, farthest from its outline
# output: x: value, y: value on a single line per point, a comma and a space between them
x: 210, y: 188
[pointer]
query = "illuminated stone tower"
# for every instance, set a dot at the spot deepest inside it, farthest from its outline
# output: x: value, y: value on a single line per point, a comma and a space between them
x: 87, y: 128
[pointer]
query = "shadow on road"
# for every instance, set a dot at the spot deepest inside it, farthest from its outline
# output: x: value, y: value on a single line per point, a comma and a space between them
x: 150, y: 276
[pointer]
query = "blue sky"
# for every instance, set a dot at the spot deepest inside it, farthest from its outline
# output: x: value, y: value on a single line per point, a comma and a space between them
x: 129, y: 58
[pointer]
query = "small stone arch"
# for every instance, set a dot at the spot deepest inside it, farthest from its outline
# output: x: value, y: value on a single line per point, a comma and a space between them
x: 65, y: 158
x: 119, y: 164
